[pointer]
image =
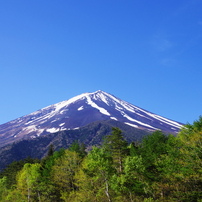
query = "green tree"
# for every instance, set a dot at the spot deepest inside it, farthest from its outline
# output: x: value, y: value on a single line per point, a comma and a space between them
x: 131, y: 184
x: 151, y: 148
x: 117, y: 146
x: 169, y: 170
x: 179, y: 175
x: 133, y: 148
x: 12, y: 169
x: 3, y: 188
x: 93, y: 179
x: 191, y: 159
x: 78, y: 148
x: 14, y: 195
x: 154, y: 151
x: 28, y: 181
x: 63, y: 173
x: 50, y: 150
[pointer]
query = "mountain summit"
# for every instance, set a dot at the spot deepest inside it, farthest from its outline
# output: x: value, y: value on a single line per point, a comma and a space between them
x: 80, y: 111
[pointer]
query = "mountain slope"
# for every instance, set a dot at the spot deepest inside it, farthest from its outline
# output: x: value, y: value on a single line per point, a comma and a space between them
x: 91, y: 134
x: 80, y: 111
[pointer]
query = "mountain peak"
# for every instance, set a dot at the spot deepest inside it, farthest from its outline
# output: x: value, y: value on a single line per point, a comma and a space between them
x: 80, y: 111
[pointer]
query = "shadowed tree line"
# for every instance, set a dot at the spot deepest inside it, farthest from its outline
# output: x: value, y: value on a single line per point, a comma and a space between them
x: 159, y: 168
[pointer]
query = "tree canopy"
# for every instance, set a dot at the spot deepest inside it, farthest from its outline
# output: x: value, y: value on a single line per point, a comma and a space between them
x: 158, y: 168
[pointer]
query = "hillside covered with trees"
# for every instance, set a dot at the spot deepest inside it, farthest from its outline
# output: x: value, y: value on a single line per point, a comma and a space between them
x: 159, y: 168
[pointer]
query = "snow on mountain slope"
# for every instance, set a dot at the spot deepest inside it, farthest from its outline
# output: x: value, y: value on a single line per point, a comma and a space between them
x: 79, y: 111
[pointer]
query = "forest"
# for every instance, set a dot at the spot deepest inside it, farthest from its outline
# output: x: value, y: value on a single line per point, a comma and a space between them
x: 161, y: 167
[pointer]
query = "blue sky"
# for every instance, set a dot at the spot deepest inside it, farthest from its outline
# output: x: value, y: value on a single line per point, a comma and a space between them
x: 148, y: 53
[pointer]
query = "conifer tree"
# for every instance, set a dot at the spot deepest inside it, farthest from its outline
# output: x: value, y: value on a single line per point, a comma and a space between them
x: 117, y: 146
x: 78, y: 148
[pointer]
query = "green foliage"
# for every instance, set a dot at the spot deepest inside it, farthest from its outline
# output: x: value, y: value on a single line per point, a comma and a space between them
x: 152, y: 148
x: 133, y: 149
x: 27, y: 181
x: 48, y: 162
x: 11, y: 171
x: 50, y: 150
x: 3, y: 189
x: 130, y: 185
x: 78, y: 148
x: 97, y: 169
x: 117, y: 147
x: 64, y: 170
x: 160, y: 168
x: 191, y: 159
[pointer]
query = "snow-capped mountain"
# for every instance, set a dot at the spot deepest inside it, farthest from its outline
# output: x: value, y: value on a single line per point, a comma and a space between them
x: 80, y: 111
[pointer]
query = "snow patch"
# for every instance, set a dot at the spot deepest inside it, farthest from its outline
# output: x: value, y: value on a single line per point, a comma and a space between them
x: 114, y: 118
x: 62, y: 111
x: 80, y: 108
x: 139, y: 122
x: 52, y: 130
x: 39, y: 131
x: 102, y: 97
x: 102, y: 110
x: 30, y: 128
x: 63, y: 128
x: 60, y: 105
x: 130, y: 124
x: 167, y: 121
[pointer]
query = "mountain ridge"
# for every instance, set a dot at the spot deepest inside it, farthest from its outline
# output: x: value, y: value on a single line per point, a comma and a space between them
x: 79, y: 111
x: 91, y: 135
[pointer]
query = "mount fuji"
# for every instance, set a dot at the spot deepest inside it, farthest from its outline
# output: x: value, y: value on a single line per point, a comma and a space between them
x: 79, y: 111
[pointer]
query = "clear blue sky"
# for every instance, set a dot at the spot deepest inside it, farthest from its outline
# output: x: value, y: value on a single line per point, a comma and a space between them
x: 148, y: 53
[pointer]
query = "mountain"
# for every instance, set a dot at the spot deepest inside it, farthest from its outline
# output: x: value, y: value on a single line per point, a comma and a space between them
x: 91, y: 134
x: 80, y: 111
